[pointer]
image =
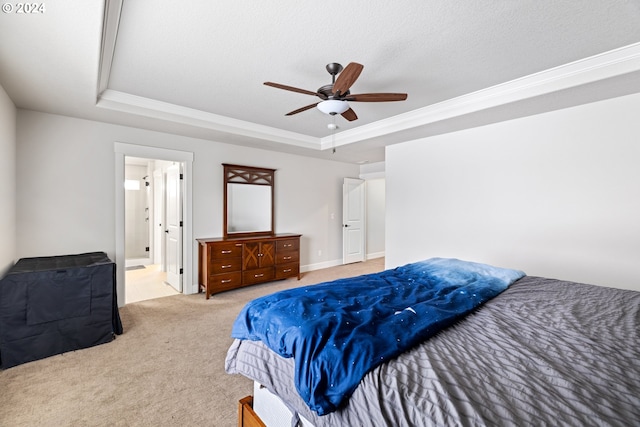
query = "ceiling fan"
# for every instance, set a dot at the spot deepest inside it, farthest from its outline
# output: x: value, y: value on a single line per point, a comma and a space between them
x: 334, y: 96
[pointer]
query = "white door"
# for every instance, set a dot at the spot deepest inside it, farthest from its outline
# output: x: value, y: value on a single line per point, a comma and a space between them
x: 353, y: 220
x: 173, y: 227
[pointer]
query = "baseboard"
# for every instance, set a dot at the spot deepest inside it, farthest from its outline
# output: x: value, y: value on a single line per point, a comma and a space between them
x: 137, y: 261
x: 320, y: 265
x: 334, y: 263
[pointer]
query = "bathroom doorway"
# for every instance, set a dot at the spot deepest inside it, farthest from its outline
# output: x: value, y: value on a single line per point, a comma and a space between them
x: 152, y: 228
x: 153, y: 243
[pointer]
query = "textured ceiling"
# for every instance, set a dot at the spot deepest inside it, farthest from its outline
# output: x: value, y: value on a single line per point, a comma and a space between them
x: 197, y: 68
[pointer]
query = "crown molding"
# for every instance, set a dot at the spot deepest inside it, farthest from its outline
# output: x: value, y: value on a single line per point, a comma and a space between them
x: 147, y: 107
x: 588, y: 70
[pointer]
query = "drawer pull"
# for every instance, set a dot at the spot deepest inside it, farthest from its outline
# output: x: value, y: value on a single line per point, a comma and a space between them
x: 258, y: 275
x: 286, y: 257
x: 225, y: 252
x: 288, y: 245
x: 288, y: 270
x: 225, y: 281
x: 225, y: 266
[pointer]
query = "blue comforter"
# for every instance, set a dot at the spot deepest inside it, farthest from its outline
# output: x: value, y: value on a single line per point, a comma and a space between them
x: 338, y: 331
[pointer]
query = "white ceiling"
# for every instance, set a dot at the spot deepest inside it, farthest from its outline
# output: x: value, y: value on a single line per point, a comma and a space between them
x: 196, y: 68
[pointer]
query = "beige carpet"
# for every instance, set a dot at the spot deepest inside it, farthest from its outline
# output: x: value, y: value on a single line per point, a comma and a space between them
x: 167, y: 369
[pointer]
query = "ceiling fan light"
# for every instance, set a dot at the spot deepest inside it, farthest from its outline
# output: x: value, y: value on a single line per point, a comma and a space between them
x: 333, y: 106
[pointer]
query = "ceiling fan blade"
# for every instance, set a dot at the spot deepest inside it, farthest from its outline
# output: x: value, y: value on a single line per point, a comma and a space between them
x: 300, y: 110
x: 377, y: 97
x: 291, y: 88
x: 350, y: 115
x: 346, y: 78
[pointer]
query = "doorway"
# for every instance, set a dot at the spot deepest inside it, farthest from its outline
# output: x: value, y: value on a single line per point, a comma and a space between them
x: 179, y: 256
x: 153, y: 215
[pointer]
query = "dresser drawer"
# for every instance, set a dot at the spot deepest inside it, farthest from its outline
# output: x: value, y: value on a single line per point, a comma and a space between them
x: 287, y: 245
x: 258, y: 275
x: 287, y: 270
x: 225, y: 250
x: 287, y: 257
x: 226, y: 265
x: 225, y: 281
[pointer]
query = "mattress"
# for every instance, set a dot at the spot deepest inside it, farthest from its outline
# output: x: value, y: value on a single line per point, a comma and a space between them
x: 543, y: 352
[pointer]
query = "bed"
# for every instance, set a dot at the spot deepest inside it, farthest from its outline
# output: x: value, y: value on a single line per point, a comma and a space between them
x: 539, y: 352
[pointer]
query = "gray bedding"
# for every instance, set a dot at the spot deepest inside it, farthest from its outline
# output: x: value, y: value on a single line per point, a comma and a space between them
x: 544, y: 352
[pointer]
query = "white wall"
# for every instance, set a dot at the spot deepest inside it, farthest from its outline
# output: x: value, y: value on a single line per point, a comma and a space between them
x: 556, y: 195
x: 66, y: 174
x: 374, y: 174
x: 7, y: 182
x: 375, y: 217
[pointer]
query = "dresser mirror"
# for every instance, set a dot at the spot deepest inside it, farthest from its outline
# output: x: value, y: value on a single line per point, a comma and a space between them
x: 248, y: 201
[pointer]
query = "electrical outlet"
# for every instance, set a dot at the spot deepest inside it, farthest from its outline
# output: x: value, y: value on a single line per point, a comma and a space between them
x: 319, y: 252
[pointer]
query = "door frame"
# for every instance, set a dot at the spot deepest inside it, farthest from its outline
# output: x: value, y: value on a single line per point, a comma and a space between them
x: 186, y: 158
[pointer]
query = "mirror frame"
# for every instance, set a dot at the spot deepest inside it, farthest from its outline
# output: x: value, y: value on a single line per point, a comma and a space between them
x: 250, y: 175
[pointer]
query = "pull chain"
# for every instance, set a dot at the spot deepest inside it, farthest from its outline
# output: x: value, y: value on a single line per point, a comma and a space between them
x: 333, y: 126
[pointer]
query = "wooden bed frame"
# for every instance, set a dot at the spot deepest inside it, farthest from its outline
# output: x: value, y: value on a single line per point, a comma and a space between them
x: 246, y: 416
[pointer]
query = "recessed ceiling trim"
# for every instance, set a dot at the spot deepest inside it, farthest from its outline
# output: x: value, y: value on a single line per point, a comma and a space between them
x: 598, y: 67
x: 133, y: 104
x: 111, y: 21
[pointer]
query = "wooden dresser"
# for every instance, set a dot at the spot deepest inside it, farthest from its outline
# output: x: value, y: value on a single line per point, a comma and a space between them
x: 225, y: 264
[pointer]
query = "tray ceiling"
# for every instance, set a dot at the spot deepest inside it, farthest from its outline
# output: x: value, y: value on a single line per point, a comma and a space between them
x: 197, y: 68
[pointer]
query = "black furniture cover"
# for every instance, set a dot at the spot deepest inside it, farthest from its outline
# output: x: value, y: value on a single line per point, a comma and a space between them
x: 51, y: 305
